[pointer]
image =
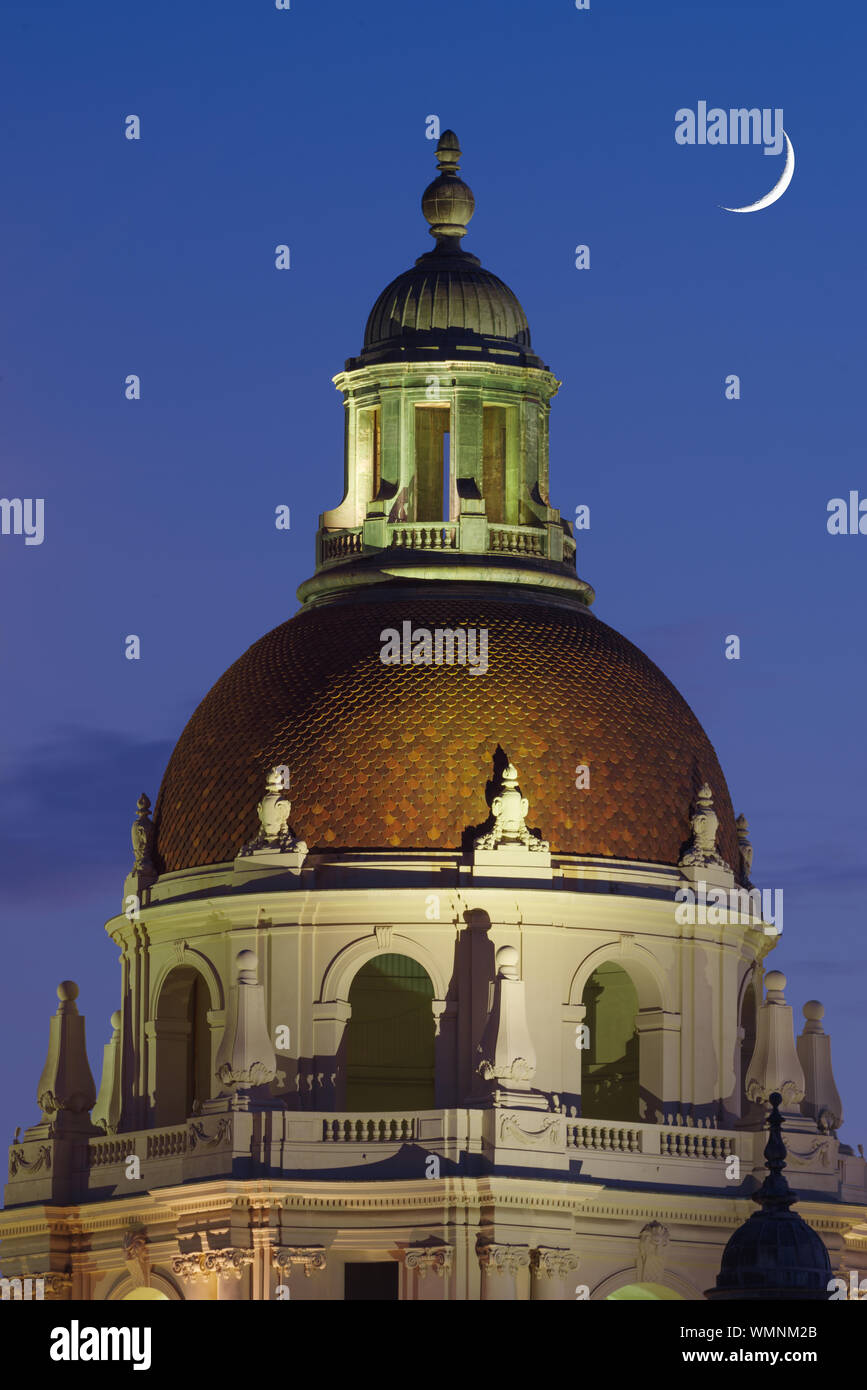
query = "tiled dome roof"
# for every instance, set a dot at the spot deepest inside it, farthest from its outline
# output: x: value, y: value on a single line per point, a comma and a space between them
x: 399, y: 756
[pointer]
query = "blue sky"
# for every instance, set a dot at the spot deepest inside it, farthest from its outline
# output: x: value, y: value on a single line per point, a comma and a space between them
x: 155, y: 257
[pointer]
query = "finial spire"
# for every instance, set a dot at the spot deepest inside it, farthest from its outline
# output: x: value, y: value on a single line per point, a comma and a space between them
x: 508, y: 810
x: 774, y: 1066
x: 775, y: 1192
x: 448, y: 152
x: 447, y: 203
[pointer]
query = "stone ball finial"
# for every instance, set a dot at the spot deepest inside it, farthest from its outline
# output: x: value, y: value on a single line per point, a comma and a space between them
x: 775, y: 980
x: 115, y: 1019
x: 507, y: 962
x: 67, y: 991
x: 246, y: 967
x: 813, y: 1011
x: 447, y: 203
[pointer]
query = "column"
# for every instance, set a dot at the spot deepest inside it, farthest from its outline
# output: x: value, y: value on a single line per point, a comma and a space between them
x: 553, y: 1269
x: 659, y: 1059
x: 504, y: 1271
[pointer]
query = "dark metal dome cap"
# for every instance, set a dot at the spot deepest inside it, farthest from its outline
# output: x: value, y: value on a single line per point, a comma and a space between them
x: 774, y: 1254
x: 447, y: 305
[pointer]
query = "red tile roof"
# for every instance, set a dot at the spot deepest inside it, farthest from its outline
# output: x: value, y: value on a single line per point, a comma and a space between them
x: 399, y: 756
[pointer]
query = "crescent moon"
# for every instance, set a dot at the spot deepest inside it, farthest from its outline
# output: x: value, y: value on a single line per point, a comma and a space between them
x: 779, y: 188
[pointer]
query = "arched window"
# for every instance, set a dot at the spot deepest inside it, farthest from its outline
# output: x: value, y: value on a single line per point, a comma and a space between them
x: 182, y: 1047
x: 610, y: 1073
x: 433, y: 486
x: 494, y: 462
x: 390, y: 1037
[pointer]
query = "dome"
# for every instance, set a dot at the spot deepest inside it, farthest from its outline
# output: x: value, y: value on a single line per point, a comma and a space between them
x: 398, y: 757
x: 774, y: 1254
x: 776, y: 1250
x: 449, y: 294
x: 447, y: 305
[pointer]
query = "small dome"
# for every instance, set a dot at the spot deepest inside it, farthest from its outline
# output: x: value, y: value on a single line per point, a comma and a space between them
x: 446, y: 293
x: 774, y: 1254
x: 447, y: 305
x: 776, y: 1250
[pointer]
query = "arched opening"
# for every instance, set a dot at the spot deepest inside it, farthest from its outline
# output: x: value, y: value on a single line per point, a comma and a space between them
x: 390, y: 1037
x: 182, y: 1047
x: 610, y: 1065
x: 143, y: 1295
x: 432, y: 463
x: 494, y: 419
x: 637, y: 1292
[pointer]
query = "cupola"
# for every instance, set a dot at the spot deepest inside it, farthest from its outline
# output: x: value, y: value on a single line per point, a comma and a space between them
x: 446, y: 439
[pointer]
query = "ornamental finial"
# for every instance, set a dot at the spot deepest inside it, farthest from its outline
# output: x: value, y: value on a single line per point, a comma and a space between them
x: 142, y: 834
x: 275, y: 832
x: 746, y: 849
x: 509, y: 808
x: 775, y: 1193
x: 447, y: 203
x: 704, y: 823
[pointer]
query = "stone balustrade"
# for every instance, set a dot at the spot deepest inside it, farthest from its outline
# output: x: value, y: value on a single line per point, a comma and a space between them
x: 282, y: 1142
x: 473, y: 533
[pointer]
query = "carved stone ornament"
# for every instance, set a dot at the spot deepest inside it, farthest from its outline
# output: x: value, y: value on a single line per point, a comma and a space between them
x: 821, y: 1097
x: 56, y: 1285
x: 275, y: 832
x: 198, y: 1136
x: 820, y: 1154
x: 704, y: 823
x: 246, y: 1056
x: 66, y: 1092
x: 548, y: 1135
x: 135, y: 1244
x: 774, y: 1065
x: 549, y: 1262
x: 17, y: 1160
x: 506, y: 1051
x: 142, y: 835
x: 650, y: 1260
x: 309, y: 1257
x: 425, y: 1258
x: 519, y: 1069
x: 509, y: 809
x: 746, y: 850
x: 503, y: 1259
x: 135, y: 1248
x: 228, y: 1262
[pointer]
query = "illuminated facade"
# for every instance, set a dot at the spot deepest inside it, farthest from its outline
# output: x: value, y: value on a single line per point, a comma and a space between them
x: 440, y: 1026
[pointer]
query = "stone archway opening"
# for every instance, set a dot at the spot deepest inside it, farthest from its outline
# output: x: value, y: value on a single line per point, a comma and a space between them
x: 390, y: 1036
x: 183, y: 1047
x: 639, y: 1292
x: 610, y: 1083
